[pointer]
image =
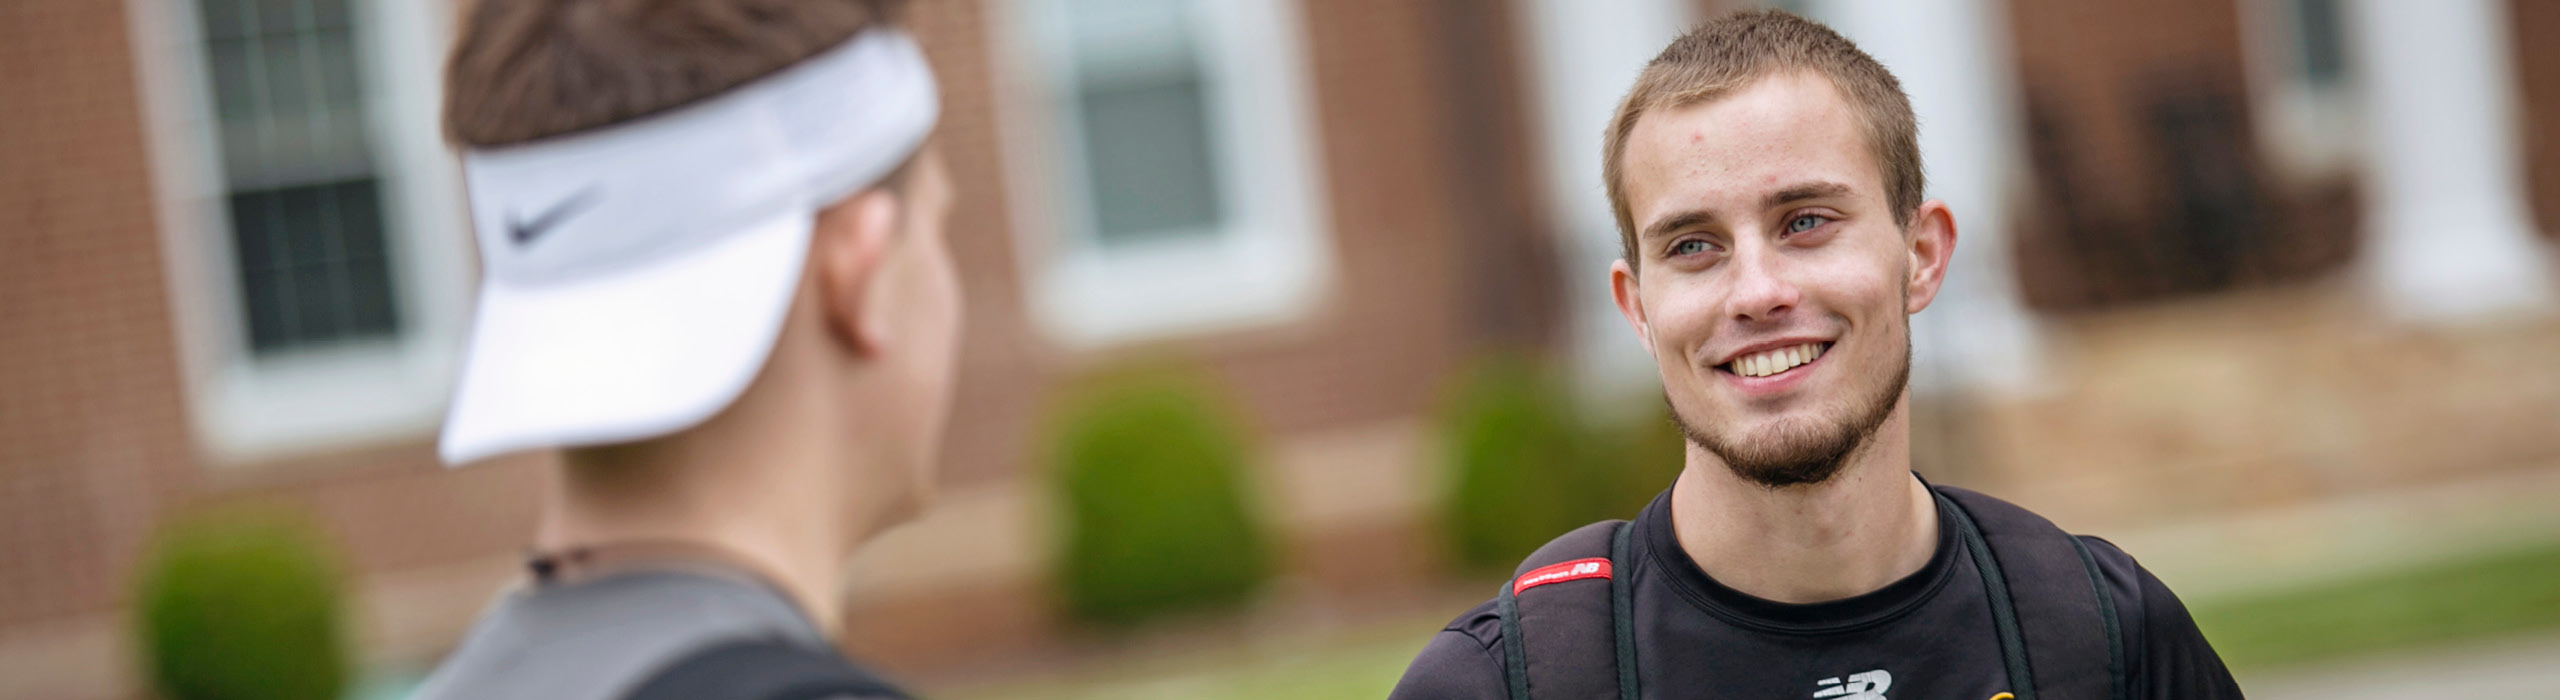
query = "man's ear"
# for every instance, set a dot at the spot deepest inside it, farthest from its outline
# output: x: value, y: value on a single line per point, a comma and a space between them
x: 1930, y: 243
x: 1623, y: 289
x: 851, y: 240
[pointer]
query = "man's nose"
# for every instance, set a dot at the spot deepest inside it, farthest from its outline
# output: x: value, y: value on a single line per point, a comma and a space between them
x: 1762, y: 289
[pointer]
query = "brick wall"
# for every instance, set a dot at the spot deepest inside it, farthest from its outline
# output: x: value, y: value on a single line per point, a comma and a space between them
x: 2147, y: 180
x: 2538, y: 99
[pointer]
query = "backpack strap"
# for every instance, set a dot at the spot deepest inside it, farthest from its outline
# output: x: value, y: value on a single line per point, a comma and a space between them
x: 1566, y: 629
x: 2050, y: 605
x: 763, y: 669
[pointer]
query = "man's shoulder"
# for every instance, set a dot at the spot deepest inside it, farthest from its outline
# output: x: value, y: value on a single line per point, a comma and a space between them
x: 1482, y: 624
x: 1462, y: 661
x: 602, y: 639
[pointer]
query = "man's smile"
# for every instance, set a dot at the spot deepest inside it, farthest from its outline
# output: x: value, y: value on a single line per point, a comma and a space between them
x: 1766, y: 369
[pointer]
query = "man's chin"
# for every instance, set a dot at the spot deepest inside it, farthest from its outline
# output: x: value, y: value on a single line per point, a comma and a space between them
x: 1790, y: 461
x: 1803, y: 447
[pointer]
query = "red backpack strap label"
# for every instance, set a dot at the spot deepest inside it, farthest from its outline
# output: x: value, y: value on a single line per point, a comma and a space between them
x: 1578, y: 569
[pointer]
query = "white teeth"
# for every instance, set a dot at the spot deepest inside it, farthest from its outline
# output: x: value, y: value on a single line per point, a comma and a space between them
x: 1774, y: 361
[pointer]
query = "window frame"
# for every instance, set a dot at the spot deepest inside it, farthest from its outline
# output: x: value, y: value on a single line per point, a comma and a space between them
x: 1269, y: 263
x: 2309, y: 132
x: 244, y: 407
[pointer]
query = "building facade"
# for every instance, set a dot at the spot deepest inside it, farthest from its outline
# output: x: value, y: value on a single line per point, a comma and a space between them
x: 232, y: 267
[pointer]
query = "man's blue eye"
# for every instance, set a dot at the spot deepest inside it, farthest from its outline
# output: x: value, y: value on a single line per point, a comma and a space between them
x: 1804, y: 223
x: 1689, y: 246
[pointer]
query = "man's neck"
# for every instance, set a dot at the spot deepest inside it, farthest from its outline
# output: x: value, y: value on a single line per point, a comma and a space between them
x: 764, y: 483
x: 1868, y: 526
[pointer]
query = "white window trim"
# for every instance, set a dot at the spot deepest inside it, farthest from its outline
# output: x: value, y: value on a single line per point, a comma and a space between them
x: 2309, y: 133
x: 1270, y: 264
x: 246, y: 409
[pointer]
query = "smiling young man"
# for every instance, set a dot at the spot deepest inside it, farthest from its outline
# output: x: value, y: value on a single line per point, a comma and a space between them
x: 1767, y: 183
x: 714, y: 279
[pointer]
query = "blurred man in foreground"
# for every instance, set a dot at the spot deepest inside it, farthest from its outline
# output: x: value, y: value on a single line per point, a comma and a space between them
x: 714, y: 276
x: 1767, y: 183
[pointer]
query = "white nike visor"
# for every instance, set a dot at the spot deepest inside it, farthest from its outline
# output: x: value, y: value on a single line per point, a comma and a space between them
x: 634, y: 277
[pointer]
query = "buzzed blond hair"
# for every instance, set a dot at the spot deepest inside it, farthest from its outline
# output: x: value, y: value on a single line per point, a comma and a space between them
x: 1734, y: 51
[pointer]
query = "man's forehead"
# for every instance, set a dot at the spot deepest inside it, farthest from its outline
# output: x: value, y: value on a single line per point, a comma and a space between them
x: 1731, y: 152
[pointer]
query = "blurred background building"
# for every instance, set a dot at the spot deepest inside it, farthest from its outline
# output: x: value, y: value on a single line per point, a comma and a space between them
x: 2262, y: 289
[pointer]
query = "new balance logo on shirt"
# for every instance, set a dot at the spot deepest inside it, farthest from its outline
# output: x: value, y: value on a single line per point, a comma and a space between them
x: 1859, y: 686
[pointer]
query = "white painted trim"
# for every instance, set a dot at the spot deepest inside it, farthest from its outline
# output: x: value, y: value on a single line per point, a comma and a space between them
x: 245, y: 410
x: 1271, y: 264
x: 2449, y: 235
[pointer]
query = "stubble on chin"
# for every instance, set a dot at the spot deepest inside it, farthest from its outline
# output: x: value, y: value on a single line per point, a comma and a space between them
x: 1802, y: 453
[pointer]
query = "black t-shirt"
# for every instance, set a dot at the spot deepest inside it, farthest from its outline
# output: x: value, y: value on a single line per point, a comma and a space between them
x: 1927, y: 636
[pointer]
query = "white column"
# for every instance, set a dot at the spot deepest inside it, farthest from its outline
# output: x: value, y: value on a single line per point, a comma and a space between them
x: 1952, y: 58
x: 1584, y: 55
x: 2448, y: 234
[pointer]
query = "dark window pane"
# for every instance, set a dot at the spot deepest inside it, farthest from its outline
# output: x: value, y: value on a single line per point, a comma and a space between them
x: 226, y: 19
x: 234, y: 93
x: 338, y: 69
x: 305, y: 205
x: 360, y: 207
x: 313, y: 266
x: 277, y: 16
x: 315, y: 302
x: 326, y: 14
x: 1150, y: 161
x: 266, y: 330
x: 288, y: 91
x: 370, y: 311
x: 1148, y: 157
x: 2324, y: 58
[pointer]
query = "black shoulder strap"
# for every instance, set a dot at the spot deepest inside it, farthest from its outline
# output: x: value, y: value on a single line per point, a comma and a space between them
x: 763, y: 669
x: 1566, y: 630
x: 2051, y: 606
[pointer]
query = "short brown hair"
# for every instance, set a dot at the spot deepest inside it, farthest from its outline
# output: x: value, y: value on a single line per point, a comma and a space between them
x: 524, y: 70
x: 1739, y: 49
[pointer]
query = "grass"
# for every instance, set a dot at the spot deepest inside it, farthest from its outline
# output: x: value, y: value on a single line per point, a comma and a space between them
x: 2470, y: 598
x: 1362, y: 664
x: 2464, y: 599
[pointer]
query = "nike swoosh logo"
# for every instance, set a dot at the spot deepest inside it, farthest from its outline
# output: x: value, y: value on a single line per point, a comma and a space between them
x: 524, y: 231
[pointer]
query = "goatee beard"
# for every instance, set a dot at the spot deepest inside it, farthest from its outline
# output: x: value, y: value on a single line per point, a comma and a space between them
x: 1800, y: 456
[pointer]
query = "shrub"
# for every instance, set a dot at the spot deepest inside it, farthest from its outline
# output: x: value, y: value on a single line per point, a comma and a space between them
x: 1524, y: 467
x: 241, y: 604
x: 1642, y: 455
x: 1518, y: 467
x: 1151, y: 475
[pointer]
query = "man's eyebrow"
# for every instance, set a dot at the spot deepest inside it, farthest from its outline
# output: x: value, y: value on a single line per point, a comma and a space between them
x: 1798, y: 193
x: 1671, y: 224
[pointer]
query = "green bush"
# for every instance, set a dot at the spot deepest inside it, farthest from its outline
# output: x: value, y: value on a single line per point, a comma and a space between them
x: 1642, y: 455
x: 1518, y: 475
x: 1524, y: 467
x: 1151, y: 475
x: 241, y: 604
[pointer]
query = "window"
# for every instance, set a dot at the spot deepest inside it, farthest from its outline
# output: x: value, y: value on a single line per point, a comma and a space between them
x: 310, y: 215
x: 2308, y: 114
x: 304, y: 202
x: 1164, y: 156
